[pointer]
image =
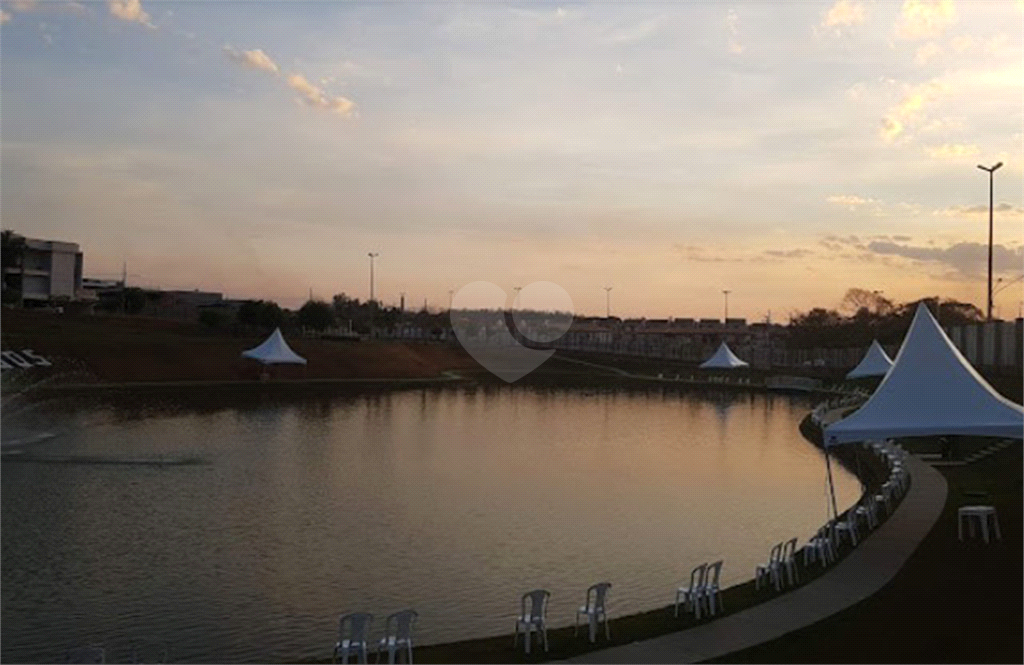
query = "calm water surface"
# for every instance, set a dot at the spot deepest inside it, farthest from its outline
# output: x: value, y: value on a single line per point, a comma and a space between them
x: 450, y: 501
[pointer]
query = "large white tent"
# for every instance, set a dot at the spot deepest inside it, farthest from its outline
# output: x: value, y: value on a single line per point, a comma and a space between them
x: 724, y: 358
x: 876, y: 362
x: 930, y: 390
x: 274, y: 351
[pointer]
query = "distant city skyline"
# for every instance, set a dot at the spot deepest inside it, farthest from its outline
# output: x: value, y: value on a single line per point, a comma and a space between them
x: 671, y: 151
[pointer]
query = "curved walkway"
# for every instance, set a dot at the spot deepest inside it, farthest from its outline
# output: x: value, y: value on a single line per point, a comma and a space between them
x: 864, y: 571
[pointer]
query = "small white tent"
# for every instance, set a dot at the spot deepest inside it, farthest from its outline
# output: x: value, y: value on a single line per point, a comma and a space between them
x: 274, y: 351
x: 930, y: 390
x: 875, y: 363
x: 724, y: 358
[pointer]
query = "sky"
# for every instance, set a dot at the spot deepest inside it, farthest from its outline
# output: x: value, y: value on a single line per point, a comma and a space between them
x: 671, y: 150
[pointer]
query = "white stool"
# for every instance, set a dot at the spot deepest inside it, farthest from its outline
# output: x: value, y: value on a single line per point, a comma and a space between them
x: 981, y: 513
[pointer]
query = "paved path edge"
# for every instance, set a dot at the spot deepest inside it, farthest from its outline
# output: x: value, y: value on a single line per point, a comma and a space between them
x: 867, y: 569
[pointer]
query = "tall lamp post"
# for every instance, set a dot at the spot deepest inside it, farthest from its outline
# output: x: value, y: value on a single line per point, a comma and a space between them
x: 372, y: 256
x: 726, y: 292
x: 991, y: 172
x: 607, y: 302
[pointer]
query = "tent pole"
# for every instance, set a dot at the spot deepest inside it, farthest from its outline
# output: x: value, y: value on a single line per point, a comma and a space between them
x: 831, y: 485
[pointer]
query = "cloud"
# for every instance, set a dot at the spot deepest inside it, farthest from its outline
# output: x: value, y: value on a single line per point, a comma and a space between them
x: 798, y: 253
x: 849, y: 200
x: 967, y: 258
x: 4, y: 17
x: 925, y: 19
x: 315, y: 97
x: 130, y: 10
x: 980, y: 210
x: 731, y: 19
x: 844, y: 14
x: 898, y: 118
x: 952, y: 151
x: 634, y: 33
x: 22, y: 6
x: 926, y: 53
x: 891, y: 128
x: 961, y: 43
x: 255, y: 59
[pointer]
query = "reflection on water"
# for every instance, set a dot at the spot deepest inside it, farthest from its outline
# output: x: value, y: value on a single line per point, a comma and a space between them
x: 451, y: 501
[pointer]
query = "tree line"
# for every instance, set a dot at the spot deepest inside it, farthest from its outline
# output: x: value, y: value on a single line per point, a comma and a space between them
x: 863, y: 316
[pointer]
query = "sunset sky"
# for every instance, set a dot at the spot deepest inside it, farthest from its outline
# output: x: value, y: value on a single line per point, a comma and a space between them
x: 671, y: 150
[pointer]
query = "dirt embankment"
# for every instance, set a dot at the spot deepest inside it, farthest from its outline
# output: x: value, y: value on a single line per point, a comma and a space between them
x: 121, y: 349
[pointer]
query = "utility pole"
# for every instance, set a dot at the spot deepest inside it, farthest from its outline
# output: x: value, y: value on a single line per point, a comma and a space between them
x: 451, y: 294
x: 372, y: 256
x: 124, y: 286
x: 726, y: 292
x: 517, y: 289
x: 991, y: 173
x: 607, y: 302
x: 402, y: 302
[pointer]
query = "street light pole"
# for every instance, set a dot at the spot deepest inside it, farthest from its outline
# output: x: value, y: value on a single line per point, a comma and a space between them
x: 372, y: 256
x: 451, y: 294
x: 991, y: 173
x: 607, y: 302
x: 726, y: 292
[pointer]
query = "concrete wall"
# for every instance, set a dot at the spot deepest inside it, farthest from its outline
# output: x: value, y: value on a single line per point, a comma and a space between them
x: 62, y: 275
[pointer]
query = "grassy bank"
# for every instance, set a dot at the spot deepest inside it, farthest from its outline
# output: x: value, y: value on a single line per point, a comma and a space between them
x: 127, y: 349
x: 952, y: 602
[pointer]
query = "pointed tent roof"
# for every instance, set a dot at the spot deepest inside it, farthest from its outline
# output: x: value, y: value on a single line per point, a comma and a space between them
x: 930, y: 390
x: 724, y: 358
x: 875, y: 363
x: 274, y: 351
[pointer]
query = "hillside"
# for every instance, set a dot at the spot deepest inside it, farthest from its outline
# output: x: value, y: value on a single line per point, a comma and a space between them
x: 118, y: 349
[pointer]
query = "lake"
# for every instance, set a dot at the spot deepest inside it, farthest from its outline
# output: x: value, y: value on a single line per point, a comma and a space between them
x: 453, y: 501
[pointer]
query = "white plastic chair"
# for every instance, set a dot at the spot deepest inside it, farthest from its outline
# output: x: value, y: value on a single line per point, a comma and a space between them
x: 771, y: 571
x: 885, y: 497
x: 398, y: 634
x: 356, y: 639
x: 595, y: 610
x: 819, y: 548
x: 689, y: 594
x: 535, y: 618
x: 847, y: 527
x: 789, y: 561
x: 711, y: 593
x: 868, y: 510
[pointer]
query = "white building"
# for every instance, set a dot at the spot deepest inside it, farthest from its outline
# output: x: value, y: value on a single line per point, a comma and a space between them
x: 49, y: 269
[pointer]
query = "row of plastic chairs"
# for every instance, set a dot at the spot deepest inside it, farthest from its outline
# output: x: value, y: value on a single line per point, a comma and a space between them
x: 354, y: 635
x: 823, y: 546
x: 703, y: 591
x: 533, y: 610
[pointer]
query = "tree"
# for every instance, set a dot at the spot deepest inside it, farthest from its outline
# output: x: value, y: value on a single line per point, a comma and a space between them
x: 212, y: 318
x: 857, y: 299
x: 134, y: 300
x: 316, y: 314
x: 260, y: 314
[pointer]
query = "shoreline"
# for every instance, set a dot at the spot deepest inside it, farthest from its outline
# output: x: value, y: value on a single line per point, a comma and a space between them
x: 658, y: 621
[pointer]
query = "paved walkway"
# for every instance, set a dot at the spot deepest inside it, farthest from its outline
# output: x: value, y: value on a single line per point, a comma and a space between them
x: 864, y: 571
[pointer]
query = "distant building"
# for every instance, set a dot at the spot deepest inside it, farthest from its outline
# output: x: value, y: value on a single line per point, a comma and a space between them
x: 180, y: 304
x: 44, y: 271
